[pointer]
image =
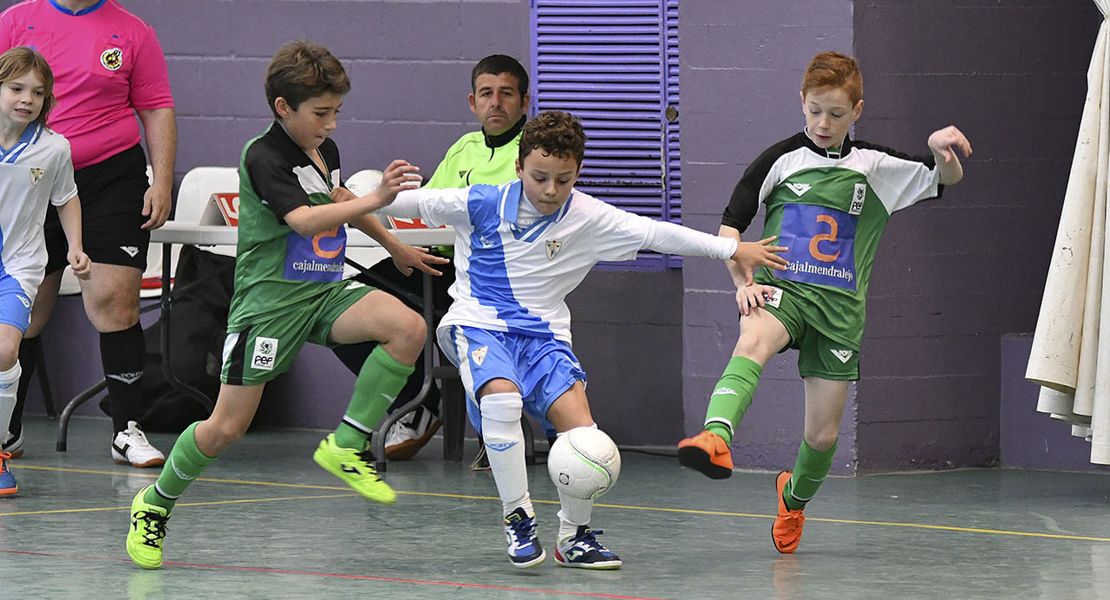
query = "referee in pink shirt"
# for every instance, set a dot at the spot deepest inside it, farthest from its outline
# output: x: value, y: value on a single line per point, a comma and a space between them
x: 108, y: 66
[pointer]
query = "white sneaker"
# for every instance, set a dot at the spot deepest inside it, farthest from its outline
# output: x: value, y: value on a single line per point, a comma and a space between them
x: 130, y: 447
x: 13, y: 446
x: 408, y: 435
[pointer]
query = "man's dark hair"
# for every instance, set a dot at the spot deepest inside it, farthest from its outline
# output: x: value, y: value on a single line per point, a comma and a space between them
x: 496, y: 64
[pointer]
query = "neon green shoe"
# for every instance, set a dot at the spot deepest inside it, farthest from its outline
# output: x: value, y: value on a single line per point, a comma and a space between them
x: 148, y: 528
x: 355, y: 468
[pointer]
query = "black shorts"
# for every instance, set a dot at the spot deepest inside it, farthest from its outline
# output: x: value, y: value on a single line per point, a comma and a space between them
x: 111, y: 193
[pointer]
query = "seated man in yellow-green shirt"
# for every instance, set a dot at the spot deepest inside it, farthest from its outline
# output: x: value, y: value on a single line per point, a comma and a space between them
x: 499, y: 98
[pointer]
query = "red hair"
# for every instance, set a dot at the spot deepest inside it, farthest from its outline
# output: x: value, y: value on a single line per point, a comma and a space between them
x: 835, y: 70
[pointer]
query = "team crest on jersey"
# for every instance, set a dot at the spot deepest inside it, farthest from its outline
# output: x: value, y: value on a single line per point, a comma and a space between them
x: 36, y: 175
x: 859, y: 194
x: 553, y: 248
x: 112, y: 59
x: 479, y: 355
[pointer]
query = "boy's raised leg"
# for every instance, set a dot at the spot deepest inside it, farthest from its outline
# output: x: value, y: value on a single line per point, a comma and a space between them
x: 708, y: 452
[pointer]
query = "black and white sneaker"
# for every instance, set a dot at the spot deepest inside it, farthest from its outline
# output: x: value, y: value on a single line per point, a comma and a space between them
x: 130, y: 447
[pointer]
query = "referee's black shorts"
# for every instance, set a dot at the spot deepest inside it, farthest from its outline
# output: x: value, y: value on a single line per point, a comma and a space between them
x: 111, y: 193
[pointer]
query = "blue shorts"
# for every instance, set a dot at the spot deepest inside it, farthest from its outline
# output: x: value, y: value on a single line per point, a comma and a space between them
x: 15, y: 306
x: 541, y: 368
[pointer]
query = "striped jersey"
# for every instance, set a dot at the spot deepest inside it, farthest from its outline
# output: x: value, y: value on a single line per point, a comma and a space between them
x: 36, y: 171
x: 829, y: 207
x: 516, y: 278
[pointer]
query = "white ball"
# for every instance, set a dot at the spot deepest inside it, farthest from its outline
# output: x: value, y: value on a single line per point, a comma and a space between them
x: 584, y: 462
x: 364, y: 182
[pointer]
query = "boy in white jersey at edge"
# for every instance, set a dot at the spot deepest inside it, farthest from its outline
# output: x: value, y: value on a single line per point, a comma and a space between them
x: 35, y: 170
x: 828, y: 199
x: 520, y: 248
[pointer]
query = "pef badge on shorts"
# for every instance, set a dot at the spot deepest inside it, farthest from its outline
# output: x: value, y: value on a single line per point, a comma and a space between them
x: 265, y: 353
x: 112, y: 59
x: 36, y: 175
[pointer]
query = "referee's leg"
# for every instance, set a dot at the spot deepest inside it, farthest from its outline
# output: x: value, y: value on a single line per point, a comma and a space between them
x: 111, y: 298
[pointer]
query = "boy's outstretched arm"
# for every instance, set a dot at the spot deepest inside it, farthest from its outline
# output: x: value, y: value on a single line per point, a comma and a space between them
x: 944, y: 144
x: 749, y: 256
x: 310, y: 220
x: 405, y: 257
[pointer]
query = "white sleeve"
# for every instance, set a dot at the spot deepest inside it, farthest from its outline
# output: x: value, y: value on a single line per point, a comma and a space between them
x: 670, y: 238
x: 64, y: 188
x: 435, y: 206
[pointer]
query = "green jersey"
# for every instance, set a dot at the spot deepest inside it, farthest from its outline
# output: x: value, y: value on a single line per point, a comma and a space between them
x: 478, y: 158
x: 829, y: 207
x: 276, y: 268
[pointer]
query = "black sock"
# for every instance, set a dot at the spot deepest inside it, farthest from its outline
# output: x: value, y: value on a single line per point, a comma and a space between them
x: 121, y: 353
x: 28, y: 359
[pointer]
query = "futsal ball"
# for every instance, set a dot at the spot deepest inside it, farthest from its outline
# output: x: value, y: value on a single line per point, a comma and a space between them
x: 364, y: 181
x: 584, y: 462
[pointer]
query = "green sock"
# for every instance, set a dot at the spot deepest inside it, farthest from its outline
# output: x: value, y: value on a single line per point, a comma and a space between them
x: 809, y: 473
x: 184, y: 464
x: 732, y: 396
x: 379, y: 381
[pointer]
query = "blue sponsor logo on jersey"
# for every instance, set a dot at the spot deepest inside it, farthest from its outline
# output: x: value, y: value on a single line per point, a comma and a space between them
x: 319, y: 258
x: 822, y: 243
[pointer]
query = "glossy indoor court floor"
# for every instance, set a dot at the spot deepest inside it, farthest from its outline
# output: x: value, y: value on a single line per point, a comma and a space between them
x: 266, y: 522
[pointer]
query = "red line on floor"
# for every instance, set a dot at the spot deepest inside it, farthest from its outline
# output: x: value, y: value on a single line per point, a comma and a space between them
x: 341, y: 576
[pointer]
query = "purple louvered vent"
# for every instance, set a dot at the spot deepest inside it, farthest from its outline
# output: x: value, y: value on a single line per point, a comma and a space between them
x: 614, y: 65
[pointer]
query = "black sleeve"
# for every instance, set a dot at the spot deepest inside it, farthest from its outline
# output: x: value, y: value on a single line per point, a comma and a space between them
x: 273, y: 179
x: 744, y: 203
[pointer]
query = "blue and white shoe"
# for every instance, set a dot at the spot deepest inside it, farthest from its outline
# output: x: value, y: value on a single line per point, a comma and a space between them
x: 524, y: 547
x: 585, y: 552
x: 8, y: 486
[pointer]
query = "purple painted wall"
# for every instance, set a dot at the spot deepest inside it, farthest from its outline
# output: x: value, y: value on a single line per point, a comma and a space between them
x: 953, y: 276
x: 957, y: 274
x: 944, y: 291
x: 410, y: 65
x: 1029, y: 439
x: 741, y: 68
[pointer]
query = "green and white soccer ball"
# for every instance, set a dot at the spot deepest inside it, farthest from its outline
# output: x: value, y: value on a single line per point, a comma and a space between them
x: 584, y: 462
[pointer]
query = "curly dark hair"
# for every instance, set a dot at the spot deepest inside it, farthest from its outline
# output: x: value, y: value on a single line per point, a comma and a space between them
x: 301, y: 70
x: 556, y: 133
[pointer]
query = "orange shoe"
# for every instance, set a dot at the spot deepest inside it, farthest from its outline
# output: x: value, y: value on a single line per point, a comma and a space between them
x: 787, y: 530
x: 706, y: 453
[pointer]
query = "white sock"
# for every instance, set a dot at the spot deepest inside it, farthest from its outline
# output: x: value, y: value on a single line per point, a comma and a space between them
x: 504, y: 440
x: 572, y: 513
x: 9, y: 384
x: 525, y: 503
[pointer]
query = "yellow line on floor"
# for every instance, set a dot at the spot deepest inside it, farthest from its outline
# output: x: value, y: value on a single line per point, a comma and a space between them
x: 470, y: 497
x: 212, y: 503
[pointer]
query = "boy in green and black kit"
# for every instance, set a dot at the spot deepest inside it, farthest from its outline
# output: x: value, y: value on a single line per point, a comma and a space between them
x: 828, y: 200
x: 289, y: 290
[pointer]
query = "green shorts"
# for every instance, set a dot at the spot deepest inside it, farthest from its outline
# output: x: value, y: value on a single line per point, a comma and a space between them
x: 818, y: 354
x: 267, y: 347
